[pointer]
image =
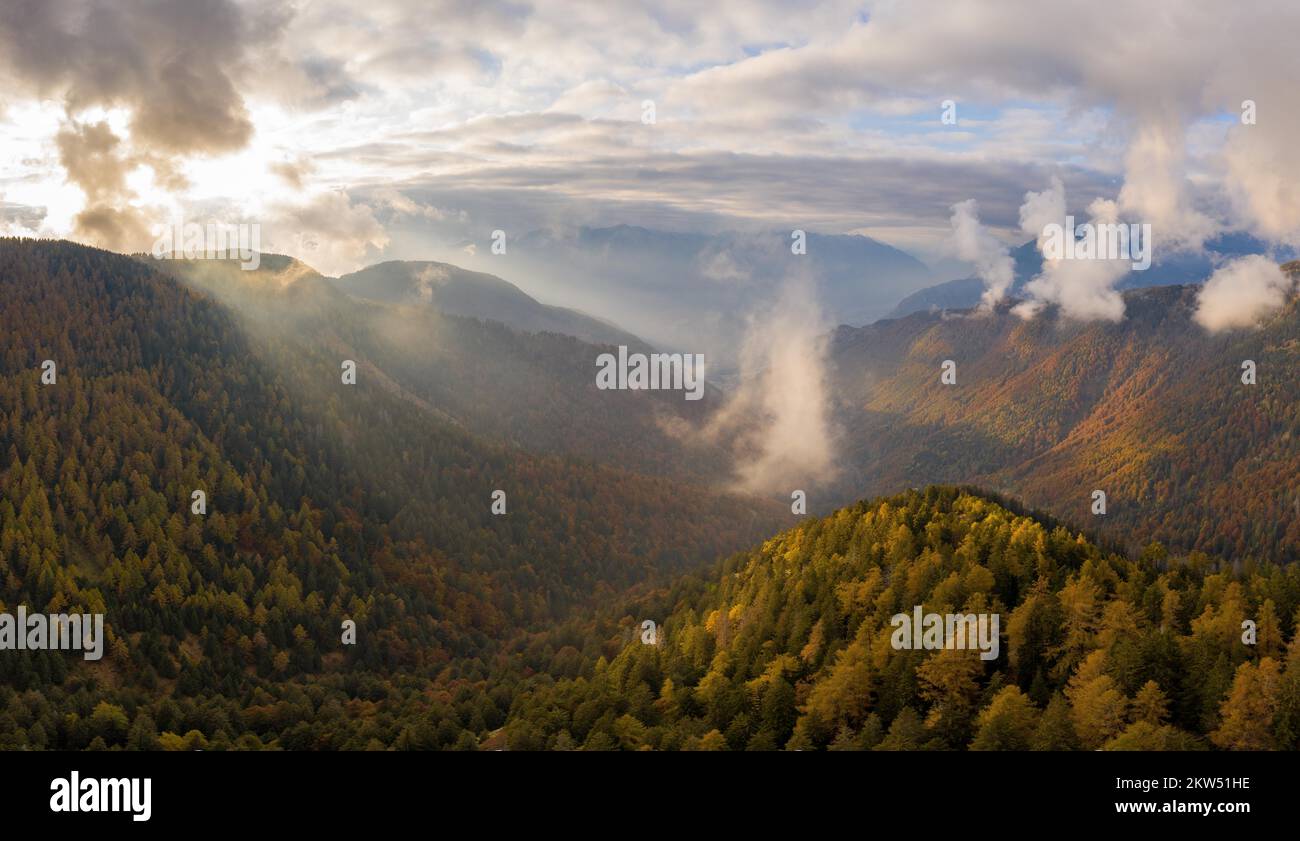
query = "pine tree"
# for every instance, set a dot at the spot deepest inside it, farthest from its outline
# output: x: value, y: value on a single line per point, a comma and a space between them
x: 1009, y: 723
x: 1247, y: 713
x: 1055, y: 727
x: 907, y: 732
x: 1150, y: 705
x: 1098, y: 708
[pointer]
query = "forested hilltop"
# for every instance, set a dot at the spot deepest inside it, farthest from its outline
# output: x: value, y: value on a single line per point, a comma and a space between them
x: 324, y: 502
x: 789, y: 646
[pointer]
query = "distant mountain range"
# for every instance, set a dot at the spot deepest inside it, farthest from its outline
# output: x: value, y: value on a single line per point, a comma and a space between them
x: 1171, y: 270
x: 700, y: 292
x: 854, y: 275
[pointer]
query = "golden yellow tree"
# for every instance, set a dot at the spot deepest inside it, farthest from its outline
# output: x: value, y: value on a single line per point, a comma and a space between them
x: 1247, y: 713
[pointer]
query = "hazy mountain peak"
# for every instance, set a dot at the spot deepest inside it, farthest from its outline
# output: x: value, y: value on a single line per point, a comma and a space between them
x: 457, y: 291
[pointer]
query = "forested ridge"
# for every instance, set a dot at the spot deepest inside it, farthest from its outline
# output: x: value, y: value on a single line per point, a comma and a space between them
x: 1151, y: 410
x: 533, y: 389
x: 789, y: 645
x: 323, y: 504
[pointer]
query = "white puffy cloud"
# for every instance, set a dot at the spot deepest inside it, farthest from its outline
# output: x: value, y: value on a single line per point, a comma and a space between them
x: 1242, y: 293
x: 780, y: 410
x: 1084, y: 289
x: 1263, y: 160
x: 328, y: 231
x: 1042, y: 209
x: 992, y: 259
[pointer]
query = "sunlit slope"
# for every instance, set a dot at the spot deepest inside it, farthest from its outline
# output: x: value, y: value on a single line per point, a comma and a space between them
x: 323, y: 501
x: 1151, y: 410
x: 796, y: 645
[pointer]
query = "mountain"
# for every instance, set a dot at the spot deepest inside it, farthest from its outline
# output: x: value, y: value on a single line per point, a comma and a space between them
x: 795, y: 645
x: 700, y: 292
x: 1150, y: 410
x: 371, y: 503
x: 456, y: 291
x: 964, y: 293
x: 1176, y: 268
x: 854, y: 272
x: 322, y: 502
x: 531, y: 390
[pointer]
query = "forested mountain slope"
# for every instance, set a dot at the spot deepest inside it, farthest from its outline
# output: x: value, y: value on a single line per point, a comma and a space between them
x: 535, y: 390
x: 324, y: 502
x: 1151, y: 410
x: 372, y: 502
x: 790, y: 645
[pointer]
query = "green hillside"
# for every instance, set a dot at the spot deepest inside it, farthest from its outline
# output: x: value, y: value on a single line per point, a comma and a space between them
x: 790, y: 645
x: 325, y: 502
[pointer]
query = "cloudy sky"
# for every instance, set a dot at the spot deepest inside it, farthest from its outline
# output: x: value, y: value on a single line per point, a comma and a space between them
x: 354, y: 132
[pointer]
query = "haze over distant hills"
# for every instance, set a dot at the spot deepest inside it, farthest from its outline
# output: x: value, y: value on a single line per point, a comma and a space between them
x: 492, y: 362
x: 1166, y: 270
x: 701, y: 292
x: 456, y: 291
x: 704, y: 292
x: 1049, y: 409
